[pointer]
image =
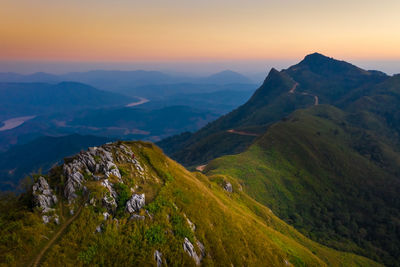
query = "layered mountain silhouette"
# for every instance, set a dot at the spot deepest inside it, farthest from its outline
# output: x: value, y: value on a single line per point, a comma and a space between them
x: 23, y: 99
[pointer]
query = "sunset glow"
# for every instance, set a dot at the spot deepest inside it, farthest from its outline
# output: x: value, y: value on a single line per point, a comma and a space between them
x: 197, y: 30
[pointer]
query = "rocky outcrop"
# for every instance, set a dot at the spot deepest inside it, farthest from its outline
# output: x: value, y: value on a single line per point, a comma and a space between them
x: 228, y: 187
x: 97, y: 160
x: 158, y: 258
x: 135, y: 203
x: 43, y: 196
x: 189, y: 249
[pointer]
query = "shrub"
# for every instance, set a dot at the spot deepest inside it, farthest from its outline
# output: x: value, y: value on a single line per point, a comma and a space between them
x: 155, y: 235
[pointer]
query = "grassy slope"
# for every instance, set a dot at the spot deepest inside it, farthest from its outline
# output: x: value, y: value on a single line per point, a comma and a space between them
x: 233, y: 227
x: 309, y: 171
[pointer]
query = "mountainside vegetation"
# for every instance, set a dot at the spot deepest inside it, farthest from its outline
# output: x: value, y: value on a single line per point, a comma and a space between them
x: 148, y: 210
x: 319, y: 144
x: 334, y: 181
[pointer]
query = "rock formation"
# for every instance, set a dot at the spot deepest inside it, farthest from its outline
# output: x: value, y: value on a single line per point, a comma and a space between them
x: 43, y: 196
x: 135, y: 203
x: 189, y: 249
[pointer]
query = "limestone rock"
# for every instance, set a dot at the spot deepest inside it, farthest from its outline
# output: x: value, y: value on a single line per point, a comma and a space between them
x: 135, y: 203
x: 189, y: 249
x: 46, y: 219
x: 158, y: 258
x: 43, y: 196
x: 106, y: 215
x: 228, y: 187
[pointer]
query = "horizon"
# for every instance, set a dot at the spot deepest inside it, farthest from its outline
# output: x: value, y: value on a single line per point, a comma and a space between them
x: 184, y: 68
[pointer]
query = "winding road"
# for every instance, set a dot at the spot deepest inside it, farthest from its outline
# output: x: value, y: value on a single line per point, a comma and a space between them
x: 201, y: 168
x: 293, y: 89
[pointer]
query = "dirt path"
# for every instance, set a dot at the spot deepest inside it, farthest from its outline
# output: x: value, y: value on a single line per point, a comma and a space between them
x: 241, y: 133
x: 293, y: 88
x: 54, y: 238
x: 201, y: 168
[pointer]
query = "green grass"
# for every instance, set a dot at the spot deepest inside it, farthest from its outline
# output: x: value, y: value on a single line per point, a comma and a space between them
x: 234, y: 228
x: 310, y: 171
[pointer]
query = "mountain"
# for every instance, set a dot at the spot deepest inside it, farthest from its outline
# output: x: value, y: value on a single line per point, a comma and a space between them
x: 40, y: 154
x: 165, y: 91
x: 26, y: 99
x: 333, y: 180
x: 317, y: 79
x: 130, y: 82
x: 154, y: 124
x: 127, y: 204
x: 319, y: 144
x: 227, y: 77
x: 38, y: 77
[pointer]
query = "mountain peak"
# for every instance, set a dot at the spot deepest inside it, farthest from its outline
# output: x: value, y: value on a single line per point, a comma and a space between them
x: 316, y: 58
x: 324, y: 65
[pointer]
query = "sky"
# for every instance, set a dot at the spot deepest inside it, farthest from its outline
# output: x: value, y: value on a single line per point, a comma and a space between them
x: 188, y: 34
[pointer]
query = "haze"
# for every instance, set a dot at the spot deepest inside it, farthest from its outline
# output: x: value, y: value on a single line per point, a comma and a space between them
x: 246, y: 36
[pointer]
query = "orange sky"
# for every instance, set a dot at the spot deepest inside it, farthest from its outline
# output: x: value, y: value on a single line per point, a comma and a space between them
x: 129, y: 30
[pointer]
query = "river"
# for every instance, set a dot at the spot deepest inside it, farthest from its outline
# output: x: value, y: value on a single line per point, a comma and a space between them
x: 15, y: 122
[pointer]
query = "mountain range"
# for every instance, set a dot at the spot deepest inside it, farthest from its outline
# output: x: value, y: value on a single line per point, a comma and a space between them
x: 127, y: 81
x: 305, y: 173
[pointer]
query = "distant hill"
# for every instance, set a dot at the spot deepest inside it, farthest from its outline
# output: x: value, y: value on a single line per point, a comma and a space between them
x: 40, y: 154
x: 139, y: 82
x: 118, y: 123
x: 227, y: 77
x: 219, y: 102
x: 24, y: 99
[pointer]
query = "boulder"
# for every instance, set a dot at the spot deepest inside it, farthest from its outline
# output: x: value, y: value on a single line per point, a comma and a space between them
x: 135, y: 203
x: 46, y: 219
x: 158, y: 258
x: 189, y: 249
x: 228, y: 187
x: 106, y: 215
